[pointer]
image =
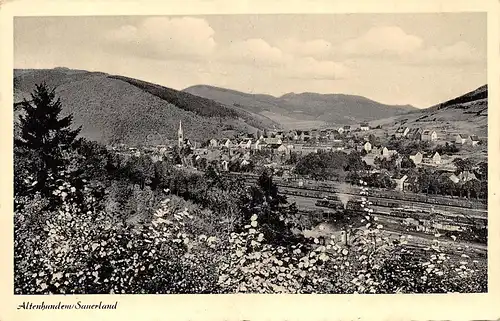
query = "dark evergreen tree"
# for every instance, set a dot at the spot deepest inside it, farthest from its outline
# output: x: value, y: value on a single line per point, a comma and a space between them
x: 45, y: 133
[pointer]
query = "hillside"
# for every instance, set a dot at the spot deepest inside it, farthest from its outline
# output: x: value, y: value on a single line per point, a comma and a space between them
x: 467, y: 114
x: 303, y: 110
x: 120, y: 109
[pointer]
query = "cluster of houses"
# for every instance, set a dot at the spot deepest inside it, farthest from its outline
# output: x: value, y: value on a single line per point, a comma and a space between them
x: 416, y: 134
x: 461, y: 139
x: 282, y: 140
x: 403, y: 183
x: 431, y: 135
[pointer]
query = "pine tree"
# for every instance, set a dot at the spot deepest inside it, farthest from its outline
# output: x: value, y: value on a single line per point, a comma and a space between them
x: 45, y: 132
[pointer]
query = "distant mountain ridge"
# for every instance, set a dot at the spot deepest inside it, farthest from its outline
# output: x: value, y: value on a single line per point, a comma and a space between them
x: 117, y: 109
x: 299, y: 107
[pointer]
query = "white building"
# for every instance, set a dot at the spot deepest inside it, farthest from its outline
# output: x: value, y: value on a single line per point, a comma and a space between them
x: 364, y: 126
x: 429, y: 135
x: 401, y: 132
x: 367, y: 147
x: 460, y: 139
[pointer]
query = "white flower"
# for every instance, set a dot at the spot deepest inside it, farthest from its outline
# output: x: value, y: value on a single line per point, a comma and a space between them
x: 253, y: 224
x: 253, y: 218
x: 345, y: 251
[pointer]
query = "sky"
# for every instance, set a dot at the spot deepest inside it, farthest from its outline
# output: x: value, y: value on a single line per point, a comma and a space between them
x: 418, y: 59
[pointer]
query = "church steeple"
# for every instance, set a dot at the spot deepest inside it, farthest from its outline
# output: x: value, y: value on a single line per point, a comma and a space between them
x: 180, y: 135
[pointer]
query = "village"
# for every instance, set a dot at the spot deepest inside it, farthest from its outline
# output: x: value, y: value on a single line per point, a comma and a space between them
x: 279, y: 151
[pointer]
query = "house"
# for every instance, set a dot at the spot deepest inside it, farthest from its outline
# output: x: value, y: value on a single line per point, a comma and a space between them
x: 347, y: 128
x: 303, y: 135
x: 338, y: 144
x: 225, y: 165
x: 213, y: 143
x: 375, y: 150
x: 400, y: 180
x: 401, y: 132
x: 282, y: 149
x: 473, y: 140
x: 460, y: 139
x: 454, y: 178
x: 434, y: 159
x: 330, y: 133
x: 417, y: 158
x: 341, y: 130
x: 257, y: 145
x: 369, y: 159
x: 273, y: 141
x: 292, y: 135
x: 428, y: 136
x: 414, y: 133
x: 279, y: 135
x: 392, y: 152
x: 246, y: 144
x: 314, y: 133
x: 466, y: 176
x: 227, y: 143
x: 364, y: 126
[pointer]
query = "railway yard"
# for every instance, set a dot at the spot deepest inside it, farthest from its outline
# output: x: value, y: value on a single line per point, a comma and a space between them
x: 461, y: 224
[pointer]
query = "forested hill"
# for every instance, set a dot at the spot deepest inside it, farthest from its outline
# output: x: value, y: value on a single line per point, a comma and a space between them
x: 121, y: 109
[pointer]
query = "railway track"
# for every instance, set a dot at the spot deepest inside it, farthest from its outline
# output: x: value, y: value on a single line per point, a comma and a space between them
x: 305, y: 196
x: 321, y: 192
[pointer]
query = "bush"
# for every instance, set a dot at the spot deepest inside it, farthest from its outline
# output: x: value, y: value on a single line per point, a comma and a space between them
x: 72, y: 251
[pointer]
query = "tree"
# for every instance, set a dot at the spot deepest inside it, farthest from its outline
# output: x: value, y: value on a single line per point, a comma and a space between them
x: 462, y: 164
x: 354, y: 162
x: 44, y: 131
x: 406, y: 162
x: 482, y: 171
x: 273, y: 210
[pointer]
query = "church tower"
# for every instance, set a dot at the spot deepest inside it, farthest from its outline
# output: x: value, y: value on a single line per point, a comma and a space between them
x: 180, y: 135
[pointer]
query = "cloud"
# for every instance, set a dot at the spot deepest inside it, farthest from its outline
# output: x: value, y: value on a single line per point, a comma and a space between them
x: 382, y: 40
x: 318, y: 48
x: 253, y: 51
x: 394, y: 43
x: 259, y: 53
x: 458, y: 53
x: 162, y: 37
x: 310, y: 68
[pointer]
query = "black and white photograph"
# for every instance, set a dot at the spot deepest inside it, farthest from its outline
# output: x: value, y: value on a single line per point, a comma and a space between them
x: 335, y: 153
